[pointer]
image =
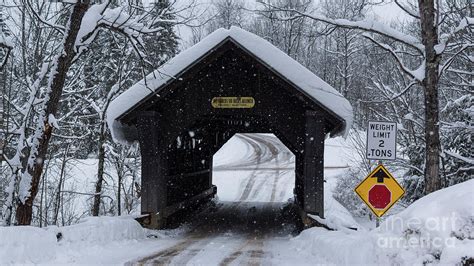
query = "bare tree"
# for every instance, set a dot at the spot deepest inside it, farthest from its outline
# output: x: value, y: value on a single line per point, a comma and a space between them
x: 429, y: 47
x: 77, y: 35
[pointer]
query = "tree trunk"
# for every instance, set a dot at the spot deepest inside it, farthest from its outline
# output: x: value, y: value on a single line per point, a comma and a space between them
x: 100, y: 171
x: 57, y: 202
x: 429, y: 35
x: 119, y: 194
x: 24, y: 210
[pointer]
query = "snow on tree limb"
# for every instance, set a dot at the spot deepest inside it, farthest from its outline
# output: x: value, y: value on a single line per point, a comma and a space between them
x: 417, y: 74
x: 394, y: 95
x: 450, y: 60
x: 446, y: 38
x: 118, y: 20
x: 459, y: 157
x: 368, y: 25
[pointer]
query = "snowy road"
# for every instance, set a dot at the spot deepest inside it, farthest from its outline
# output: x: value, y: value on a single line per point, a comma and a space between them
x: 232, y: 233
x: 264, y: 171
x: 254, y: 174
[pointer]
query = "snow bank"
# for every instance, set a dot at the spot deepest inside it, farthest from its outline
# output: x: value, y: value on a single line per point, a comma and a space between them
x: 278, y: 61
x: 102, y: 230
x: 336, y: 216
x: 438, y: 228
x: 26, y: 244
x: 439, y: 225
x: 337, y: 247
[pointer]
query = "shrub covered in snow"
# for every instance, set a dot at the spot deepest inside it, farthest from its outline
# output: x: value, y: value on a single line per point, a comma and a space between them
x: 458, y: 162
x: 344, y: 192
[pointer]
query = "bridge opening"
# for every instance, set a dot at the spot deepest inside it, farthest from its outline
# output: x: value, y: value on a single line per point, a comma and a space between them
x: 254, y: 167
x: 255, y: 178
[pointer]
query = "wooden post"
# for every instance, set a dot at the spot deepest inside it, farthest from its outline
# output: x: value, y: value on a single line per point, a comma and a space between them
x: 154, y: 167
x: 314, y: 164
x: 209, y: 154
x: 299, y: 179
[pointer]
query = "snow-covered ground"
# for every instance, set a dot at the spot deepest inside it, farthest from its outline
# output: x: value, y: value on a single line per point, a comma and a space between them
x: 248, y: 224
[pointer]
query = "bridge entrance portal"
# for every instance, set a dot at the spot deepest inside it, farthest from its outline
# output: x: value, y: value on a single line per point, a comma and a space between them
x: 231, y: 82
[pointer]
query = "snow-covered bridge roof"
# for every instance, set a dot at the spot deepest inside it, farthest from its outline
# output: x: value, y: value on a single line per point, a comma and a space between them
x: 303, y: 79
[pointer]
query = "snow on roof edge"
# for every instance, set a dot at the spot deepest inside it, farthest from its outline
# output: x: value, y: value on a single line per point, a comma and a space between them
x: 302, y: 78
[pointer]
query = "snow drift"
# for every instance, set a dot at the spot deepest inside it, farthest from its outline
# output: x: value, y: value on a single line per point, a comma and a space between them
x: 27, y: 244
x: 438, y: 228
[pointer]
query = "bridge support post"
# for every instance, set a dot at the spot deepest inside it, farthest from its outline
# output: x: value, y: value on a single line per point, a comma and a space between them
x: 154, y: 169
x: 313, y: 172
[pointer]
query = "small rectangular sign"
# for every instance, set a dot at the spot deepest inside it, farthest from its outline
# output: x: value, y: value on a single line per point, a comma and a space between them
x: 233, y: 102
x: 381, y: 140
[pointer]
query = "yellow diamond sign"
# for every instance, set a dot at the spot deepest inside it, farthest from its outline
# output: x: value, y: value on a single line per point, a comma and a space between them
x: 379, y: 190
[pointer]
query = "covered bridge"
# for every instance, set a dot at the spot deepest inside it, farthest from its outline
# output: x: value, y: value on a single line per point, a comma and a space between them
x: 231, y: 82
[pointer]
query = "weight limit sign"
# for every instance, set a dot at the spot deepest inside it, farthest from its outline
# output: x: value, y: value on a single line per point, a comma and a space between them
x: 381, y: 140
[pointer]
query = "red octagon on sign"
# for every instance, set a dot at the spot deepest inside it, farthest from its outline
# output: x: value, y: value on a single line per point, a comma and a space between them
x: 379, y: 196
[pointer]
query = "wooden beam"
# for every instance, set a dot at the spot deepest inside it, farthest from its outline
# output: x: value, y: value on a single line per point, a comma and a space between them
x: 314, y: 164
x: 154, y: 163
x: 170, y: 210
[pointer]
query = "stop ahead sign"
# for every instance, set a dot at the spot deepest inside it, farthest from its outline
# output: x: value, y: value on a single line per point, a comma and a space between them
x: 379, y: 190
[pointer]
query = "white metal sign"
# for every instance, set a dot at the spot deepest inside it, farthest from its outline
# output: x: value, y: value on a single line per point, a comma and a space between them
x: 381, y: 140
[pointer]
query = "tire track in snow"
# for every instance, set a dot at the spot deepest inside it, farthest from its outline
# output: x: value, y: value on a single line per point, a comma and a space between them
x: 252, y: 177
x: 186, y: 255
x: 163, y: 257
x: 178, y: 254
x: 234, y: 255
x: 251, y: 251
x: 276, y: 148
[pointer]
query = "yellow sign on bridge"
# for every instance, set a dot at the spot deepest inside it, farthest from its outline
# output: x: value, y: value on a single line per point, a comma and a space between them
x: 233, y: 102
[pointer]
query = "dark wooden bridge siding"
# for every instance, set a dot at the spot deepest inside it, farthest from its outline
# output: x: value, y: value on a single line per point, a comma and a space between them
x: 179, y: 130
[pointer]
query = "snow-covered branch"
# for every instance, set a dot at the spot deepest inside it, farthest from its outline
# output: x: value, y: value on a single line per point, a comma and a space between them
x: 460, y: 157
x: 368, y: 25
x: 465, y: 24
x: 451, y: 59
x: 117, y: 19
x: 417, y: 74
x: 395, y: 96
